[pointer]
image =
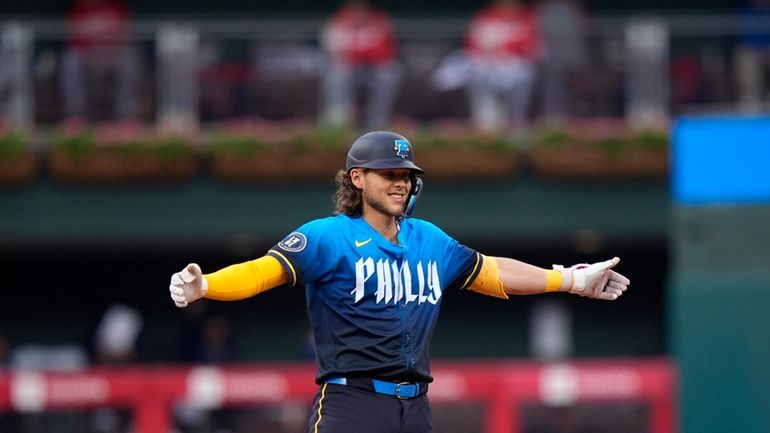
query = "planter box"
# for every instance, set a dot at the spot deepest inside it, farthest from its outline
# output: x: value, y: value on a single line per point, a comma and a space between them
x: 18, y: 171
x: 278, y: 166
x: 576, y: 163
x: 467, y: 165
x: 275, y: 166
x: 114, y: 169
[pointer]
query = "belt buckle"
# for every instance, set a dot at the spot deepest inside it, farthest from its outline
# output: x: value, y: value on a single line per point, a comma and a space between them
x: 398, y: 390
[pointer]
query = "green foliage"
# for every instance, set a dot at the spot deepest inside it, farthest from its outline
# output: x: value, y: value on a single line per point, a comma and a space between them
x: 613, y: 146
x: 323, y: 138
x: 552, y: 138
x: 132, y: 148
x: 294, y: 138
x: 76, y: 144
x: 13, y: 145
x: 84, y: 142
x: 652, y: 140
x: 425, y: 139
x: 430, y: 139
x: 237, y: 144
x: 172, y: 147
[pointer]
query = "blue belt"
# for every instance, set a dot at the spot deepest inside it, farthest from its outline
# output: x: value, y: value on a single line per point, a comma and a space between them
x: 402, y: 390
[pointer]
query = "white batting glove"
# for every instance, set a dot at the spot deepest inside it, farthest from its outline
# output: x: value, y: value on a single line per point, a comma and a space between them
x: 188, y: 285
x: 597, y: 281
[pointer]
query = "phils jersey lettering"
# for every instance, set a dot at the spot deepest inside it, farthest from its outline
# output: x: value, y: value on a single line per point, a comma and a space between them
x: 366, y: 289
x: 394, y: 282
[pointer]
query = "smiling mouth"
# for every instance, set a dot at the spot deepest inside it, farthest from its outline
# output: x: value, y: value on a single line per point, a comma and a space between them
x: 397, y: 196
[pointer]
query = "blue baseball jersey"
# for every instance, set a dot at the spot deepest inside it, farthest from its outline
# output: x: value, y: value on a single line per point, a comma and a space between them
x: 373, y: 304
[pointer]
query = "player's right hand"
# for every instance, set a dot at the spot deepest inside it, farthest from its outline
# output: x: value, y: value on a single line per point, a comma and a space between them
x: 597, y: 280
x: 187, y: 285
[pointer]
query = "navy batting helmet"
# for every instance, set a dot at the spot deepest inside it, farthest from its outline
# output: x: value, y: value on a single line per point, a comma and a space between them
x: 385, y: 149
x: 381, y: 149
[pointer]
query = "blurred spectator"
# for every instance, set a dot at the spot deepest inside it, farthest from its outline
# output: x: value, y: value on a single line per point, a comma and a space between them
x: 360, y: 48
x: 208, y: 341
x: 563, y: 28
x: 503, y: 46
x: 687, y: 80
x: 117, y: 335
x: 214, y: 342
x: 115, y: 343
x: 99, y: 48
x: 752, y: 57
x: 206, y: 337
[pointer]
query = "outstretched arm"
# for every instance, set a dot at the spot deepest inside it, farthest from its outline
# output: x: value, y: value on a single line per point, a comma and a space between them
x: 501, y: 276
x: 519, y: 278
x: 232, y: 283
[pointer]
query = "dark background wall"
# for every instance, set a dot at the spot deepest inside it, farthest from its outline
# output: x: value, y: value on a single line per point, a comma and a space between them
x: 55, y: 294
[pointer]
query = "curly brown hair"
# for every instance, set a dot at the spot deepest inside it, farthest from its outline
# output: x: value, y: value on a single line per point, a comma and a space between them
x: 347, y: 198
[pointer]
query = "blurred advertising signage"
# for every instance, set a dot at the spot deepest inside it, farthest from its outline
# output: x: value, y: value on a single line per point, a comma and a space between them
x: 210, y: 387
x: 721, y: 160
x: 562, y: 384
x: 34, y: 392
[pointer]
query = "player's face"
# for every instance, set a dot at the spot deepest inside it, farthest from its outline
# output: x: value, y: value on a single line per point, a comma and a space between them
x: 385, y: 191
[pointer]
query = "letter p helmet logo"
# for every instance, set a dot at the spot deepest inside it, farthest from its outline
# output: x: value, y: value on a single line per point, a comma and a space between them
x: 401, y: 147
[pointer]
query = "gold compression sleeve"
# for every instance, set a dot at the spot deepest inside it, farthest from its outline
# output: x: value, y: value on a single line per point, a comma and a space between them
x: 246, y: 279
x: 553, y: 280
x: 488, y: 280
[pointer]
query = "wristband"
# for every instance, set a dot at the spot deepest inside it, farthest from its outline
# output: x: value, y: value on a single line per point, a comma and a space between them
x: 553, y: 280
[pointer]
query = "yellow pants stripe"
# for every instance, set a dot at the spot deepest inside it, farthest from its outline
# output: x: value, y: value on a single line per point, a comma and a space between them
x: 320, y: 405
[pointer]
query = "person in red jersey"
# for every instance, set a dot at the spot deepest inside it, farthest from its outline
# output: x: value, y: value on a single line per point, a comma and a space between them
x: 503, y: 47
x: 99, y: 44
x: 361, y: 52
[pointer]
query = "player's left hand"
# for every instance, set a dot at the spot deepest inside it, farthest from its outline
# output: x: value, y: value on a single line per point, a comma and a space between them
x: 597, y: 280
x: 187, y: 285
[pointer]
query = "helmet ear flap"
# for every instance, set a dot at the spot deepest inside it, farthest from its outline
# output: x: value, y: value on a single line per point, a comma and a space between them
x: 414, y: 194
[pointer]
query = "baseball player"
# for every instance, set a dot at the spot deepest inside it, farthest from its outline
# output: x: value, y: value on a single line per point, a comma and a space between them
x: 374, y: 279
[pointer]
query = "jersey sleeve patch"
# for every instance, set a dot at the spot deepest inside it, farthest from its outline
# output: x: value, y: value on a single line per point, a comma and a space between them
x: 294, y: 242
x: 308, y: 252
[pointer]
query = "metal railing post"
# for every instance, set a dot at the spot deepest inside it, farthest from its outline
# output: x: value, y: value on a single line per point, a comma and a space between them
x: 15, y: 74
x: 177, y: 51
x: 647, y: 78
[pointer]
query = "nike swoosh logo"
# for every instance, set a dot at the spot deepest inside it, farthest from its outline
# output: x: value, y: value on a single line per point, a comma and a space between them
x: 360, y: 244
